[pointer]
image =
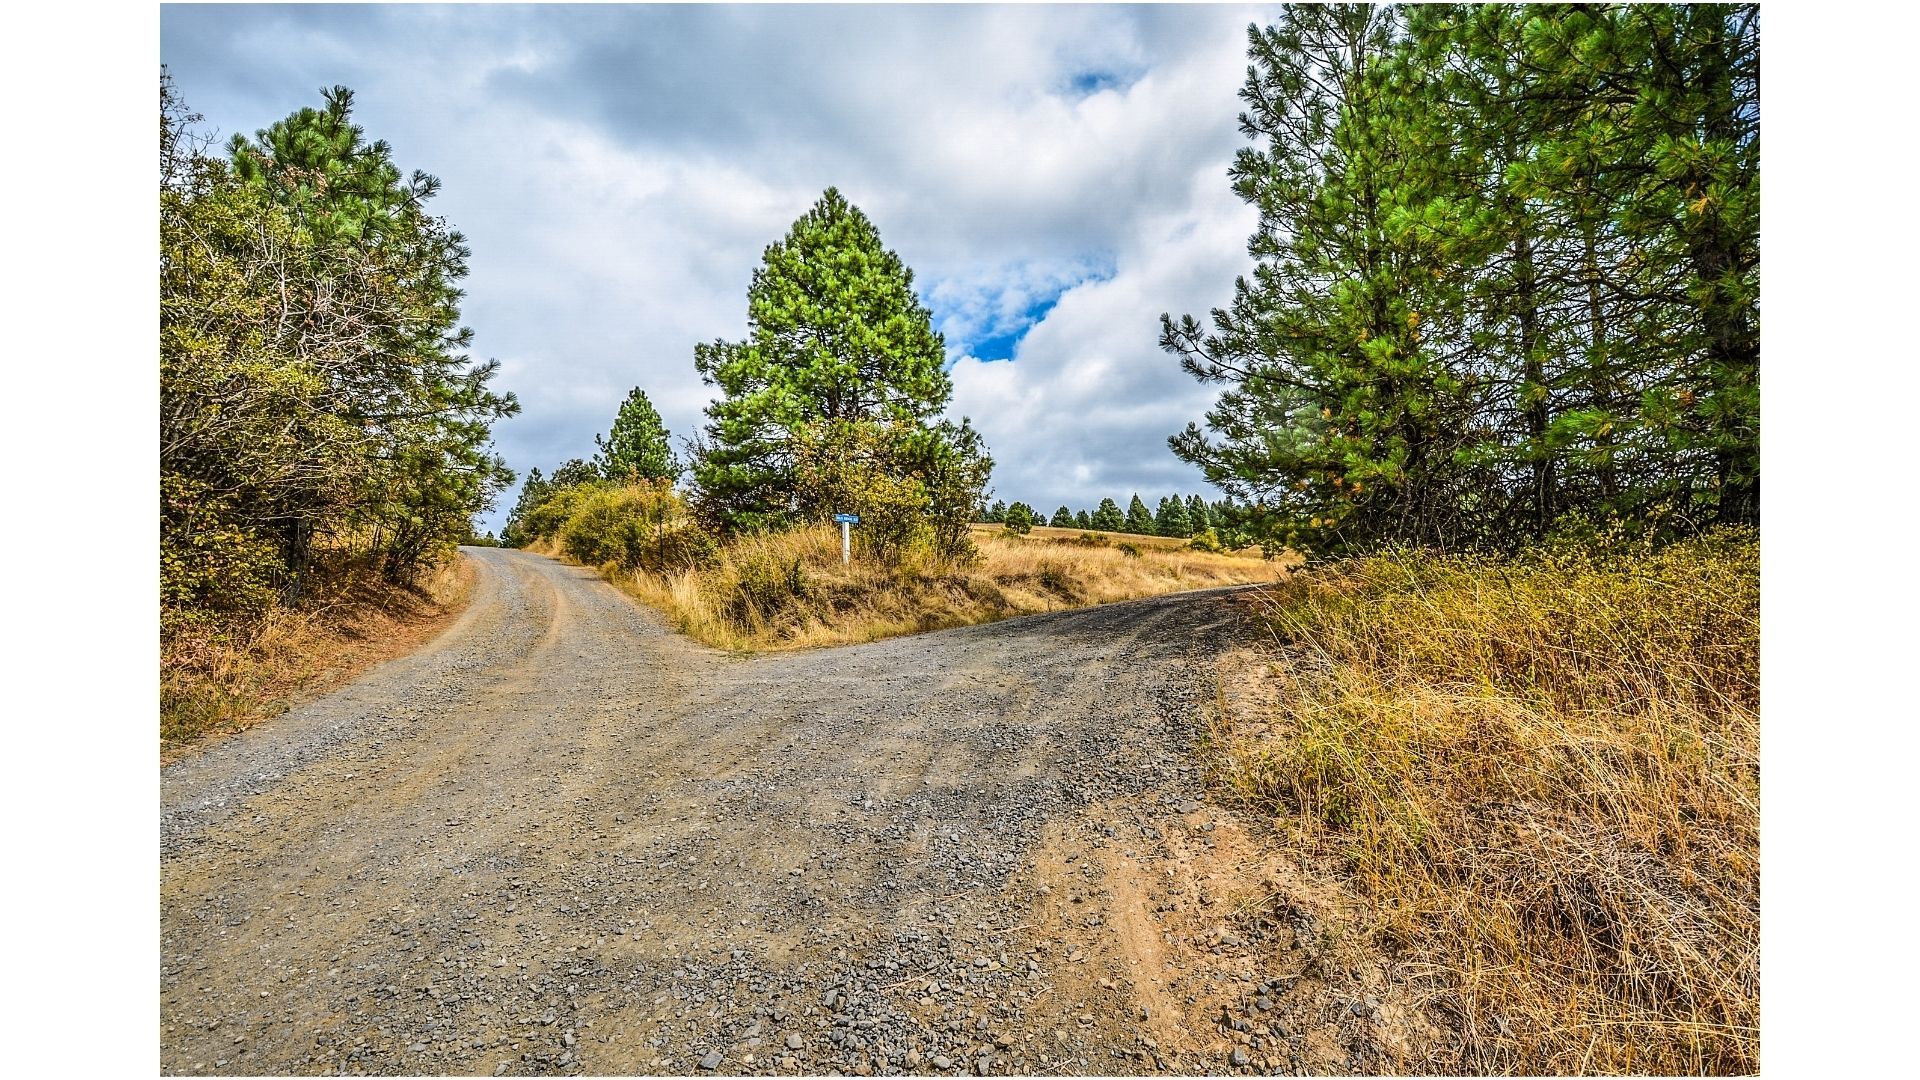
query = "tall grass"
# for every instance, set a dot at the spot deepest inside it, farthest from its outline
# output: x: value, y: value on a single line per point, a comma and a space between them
x: 789, y: 589
x: 1544, y: 774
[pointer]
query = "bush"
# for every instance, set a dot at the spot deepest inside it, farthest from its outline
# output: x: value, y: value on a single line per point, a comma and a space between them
x: 1131, y: 551
x: 1207, y: 540
x: 639, y: 526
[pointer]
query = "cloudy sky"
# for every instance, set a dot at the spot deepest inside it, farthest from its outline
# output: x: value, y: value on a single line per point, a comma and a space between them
x: 1055, y: 176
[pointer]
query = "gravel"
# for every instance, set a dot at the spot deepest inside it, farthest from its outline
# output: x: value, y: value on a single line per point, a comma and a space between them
x: 562, y: 839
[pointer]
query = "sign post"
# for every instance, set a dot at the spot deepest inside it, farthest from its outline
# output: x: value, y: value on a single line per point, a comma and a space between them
x: 846, y: 536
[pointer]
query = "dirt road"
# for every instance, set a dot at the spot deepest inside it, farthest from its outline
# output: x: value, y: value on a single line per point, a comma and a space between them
x: 565, y: 840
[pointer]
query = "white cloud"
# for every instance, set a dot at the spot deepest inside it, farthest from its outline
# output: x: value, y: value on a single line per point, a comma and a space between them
x: 619, y: 170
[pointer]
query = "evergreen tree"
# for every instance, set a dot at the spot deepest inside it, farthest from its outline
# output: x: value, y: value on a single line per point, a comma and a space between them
x: 314, y: 385
x: 835, y: 334
x: 1139, y: 518
x: 1021, y: 518
x: 1107, y: 517
x: 533, y: 492
x: 636, y: 447
x: 1197, y: 516
x: 1172, y: 519
x: 1082, y: 519
x: 1337, y: 414
x: 1062, y: 518
x: 575, y: 472
x: 997, y: 513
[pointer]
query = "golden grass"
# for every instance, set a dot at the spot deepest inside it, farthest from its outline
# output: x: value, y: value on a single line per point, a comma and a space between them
x: 789, y: 590
x: 1157, y: 543
x: 219, y: 683
x: 1543, y: 775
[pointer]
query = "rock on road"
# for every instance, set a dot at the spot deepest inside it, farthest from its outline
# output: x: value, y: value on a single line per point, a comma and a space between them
x: 563, y: 839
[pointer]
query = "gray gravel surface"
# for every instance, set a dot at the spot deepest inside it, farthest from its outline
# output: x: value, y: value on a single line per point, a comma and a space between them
x: 562, y: 839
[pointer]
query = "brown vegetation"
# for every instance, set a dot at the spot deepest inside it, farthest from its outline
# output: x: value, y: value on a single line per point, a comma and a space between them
x: 789, y: 590
x: 221, y: 681
x: 1543, y: 777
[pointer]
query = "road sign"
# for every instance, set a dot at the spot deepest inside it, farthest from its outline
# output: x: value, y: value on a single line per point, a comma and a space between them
x: 847, y: 519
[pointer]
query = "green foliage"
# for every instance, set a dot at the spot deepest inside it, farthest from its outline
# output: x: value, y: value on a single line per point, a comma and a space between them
x: 644, y: 525
x: 1020, y: 518
x: 914, y: 487
x: 1107, y: 517
x: 1208, y: 540
x: 1139, y: 518
x: 314, y: 391
x: 835, y: 335
x: 996, y: 513
x: 636, y: 448
x: 1062, y: 519
x: 1507, y: 267
x: 1197, y: 516
x: 1082, y: 520
x: 1172, y: 519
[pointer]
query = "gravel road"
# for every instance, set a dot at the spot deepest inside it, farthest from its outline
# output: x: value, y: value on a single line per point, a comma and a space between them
x: 562, y: 839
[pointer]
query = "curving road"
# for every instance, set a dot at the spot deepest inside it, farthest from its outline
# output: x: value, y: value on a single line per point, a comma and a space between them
x: 563, y: 839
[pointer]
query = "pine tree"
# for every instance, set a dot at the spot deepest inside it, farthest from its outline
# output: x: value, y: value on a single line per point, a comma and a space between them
x: 1062, y: 519
x: 1107, y: 517
x: 636, y: 447
x: 1172, y: 519
x: 532, y: 493
x: 835, y: 334
x: 1082, y: 520
x: 997, y: 513
x: 1021, y: 518
x: 1139, y: 518
x: 1338, y: 415
x: 1197, y: 515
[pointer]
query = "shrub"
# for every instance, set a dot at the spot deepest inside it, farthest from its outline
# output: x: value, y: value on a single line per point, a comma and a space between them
x: 639, y: 526
x: 1207, y: 540
x: 1131, y: 551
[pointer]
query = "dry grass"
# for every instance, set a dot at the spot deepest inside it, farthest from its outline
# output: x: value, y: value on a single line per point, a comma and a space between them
x: 789, y: 590
x: 214, y: 684
x: 1544, y: 777
x: 1143, y: 542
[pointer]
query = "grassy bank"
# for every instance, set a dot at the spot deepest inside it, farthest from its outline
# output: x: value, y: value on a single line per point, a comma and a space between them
x: 1543, y: 776
x: 789, y: 590
x: 222, y: 681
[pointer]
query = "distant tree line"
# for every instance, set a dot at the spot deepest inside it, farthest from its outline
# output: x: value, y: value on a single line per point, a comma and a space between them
x: 318, y: 409
x: 1507, y: 269
x: 1175, y: 516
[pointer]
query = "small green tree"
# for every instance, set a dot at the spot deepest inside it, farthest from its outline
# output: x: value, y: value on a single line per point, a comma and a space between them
x: 1197, y: 516
x: 636, y: 448
x: 1082, y: 520
x: 575, y: 473
x: 1020, y: 518
x: 1062, y: 519
x: 1172, y: 520
x: 1107, y: 517
x: 997, y: 513
x: 1139, y: 518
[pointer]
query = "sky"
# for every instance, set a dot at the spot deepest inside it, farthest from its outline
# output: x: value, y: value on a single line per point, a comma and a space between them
x: 1055, y: 176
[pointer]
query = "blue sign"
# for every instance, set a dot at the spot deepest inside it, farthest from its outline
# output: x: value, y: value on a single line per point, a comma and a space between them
x: 847, y: 519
